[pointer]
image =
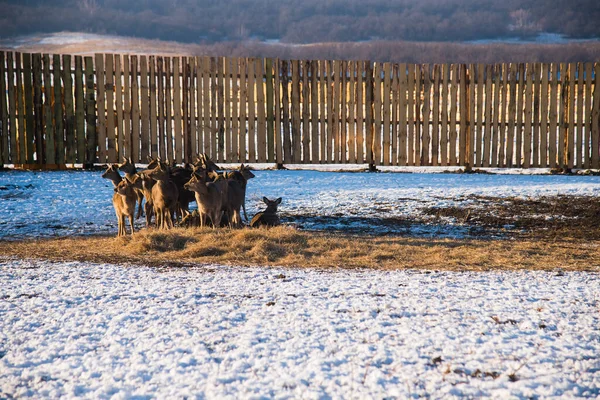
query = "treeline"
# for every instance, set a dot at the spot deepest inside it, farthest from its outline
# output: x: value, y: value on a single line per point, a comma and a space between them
x: 306, y: 21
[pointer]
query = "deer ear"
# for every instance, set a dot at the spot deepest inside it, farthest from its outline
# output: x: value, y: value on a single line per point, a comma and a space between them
x: 266, y: 200
x: 278, y: 201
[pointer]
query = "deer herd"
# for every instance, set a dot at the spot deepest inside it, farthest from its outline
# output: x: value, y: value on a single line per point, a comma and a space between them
x: 165, y: 191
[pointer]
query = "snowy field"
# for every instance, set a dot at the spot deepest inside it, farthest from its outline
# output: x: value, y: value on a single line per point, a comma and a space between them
x: 44, y: 204
x: 97, y: 331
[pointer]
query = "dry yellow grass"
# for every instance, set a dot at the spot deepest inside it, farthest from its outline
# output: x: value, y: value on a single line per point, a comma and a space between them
x: 284, y: 246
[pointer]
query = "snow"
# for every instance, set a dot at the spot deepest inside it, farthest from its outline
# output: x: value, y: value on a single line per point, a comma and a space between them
x: 45, y: 204
x: 99, y: 330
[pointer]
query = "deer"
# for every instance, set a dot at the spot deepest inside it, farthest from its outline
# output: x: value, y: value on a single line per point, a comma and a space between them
x: 267, y: 217
x: 112, y: 174
x: 164, y: 196
x: 209, y: 197
x: 124, y: 201
x: 147, y: 184
x: 131, y: 173
x: 236, y: 194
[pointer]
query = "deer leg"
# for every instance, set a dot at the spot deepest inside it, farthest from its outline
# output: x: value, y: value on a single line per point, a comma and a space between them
x: 131, y: 223
x: 122, y: 225
x: 148, y: 208
x: 140, y: 198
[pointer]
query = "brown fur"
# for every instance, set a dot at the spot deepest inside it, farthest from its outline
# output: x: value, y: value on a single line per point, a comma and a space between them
x: 124, y: 200
x: 236, y: 194
x: 131, y: 173
x: 209, y: 197
x: 164, y: 196
x: 267, y: 217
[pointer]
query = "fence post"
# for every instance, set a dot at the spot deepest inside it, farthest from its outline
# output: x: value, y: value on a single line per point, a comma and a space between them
x: 90, y: 117
x: 369, y: 108
x: 270, y: 111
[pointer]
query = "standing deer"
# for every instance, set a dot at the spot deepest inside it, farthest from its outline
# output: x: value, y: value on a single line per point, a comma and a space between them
x: 267, y: 217
x: 131, y: 173
x: 112, y: 174
x: 164, y: 196
x: 236, y: 194
x: 209, y: 197
x: 124, y: 200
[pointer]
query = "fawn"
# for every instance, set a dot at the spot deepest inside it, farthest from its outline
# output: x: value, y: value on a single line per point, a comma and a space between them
x: 268, y: 217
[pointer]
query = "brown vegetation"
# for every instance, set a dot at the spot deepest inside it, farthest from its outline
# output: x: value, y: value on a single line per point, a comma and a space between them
x: 285, y: 246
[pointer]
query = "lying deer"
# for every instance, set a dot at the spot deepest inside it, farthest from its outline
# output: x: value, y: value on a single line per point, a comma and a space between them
x: 269, y: 216
x: 124, y: 201
x: 209, y: 197
x: 164, y: 196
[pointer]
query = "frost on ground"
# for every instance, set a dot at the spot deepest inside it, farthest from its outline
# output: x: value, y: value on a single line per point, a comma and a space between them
x: 69, y: 329
x: 34, y: 204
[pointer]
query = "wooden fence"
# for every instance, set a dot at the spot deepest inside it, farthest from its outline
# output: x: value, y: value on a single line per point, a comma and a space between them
x: 57, y: 110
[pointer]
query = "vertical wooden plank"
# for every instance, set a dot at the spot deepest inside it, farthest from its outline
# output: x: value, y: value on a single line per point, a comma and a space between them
x: 4, y: 135
x: 206, y: 110
x: 79, y: 110
x: 199, y: 140
x: 305, y: 112
x: 587, y: 120
x: 453, y: 112
x: 67, y: 77
x: 261, y: 137
x: 496, y: 116
x: 153, y: 108
x: 48, y: 112
x: 544, y: 116
x: 579, y: 118
x: 512, y: 109
x: 101, y: 107
x: 110, y: 108
x: 403, y: 103
x: 12, y: 107
x: 479, y: 137
x: 445, y: 72
x: 160, y: 87
x: 572, y: 105
x: 471, y: 144
x: 503, y: 117
x: 596, y: 118
x: 270, y: 102
x: 464, y: 115
x: 335, y: 109
x: 435, y: 131
x: 360, y: 112
x: 562, y: 115
x: 251, y: 82
x: 38, y: 107
x: 278, y: 110
x: 296, y: 138
x: 119, y: 106
x: 185, y: 110
x: 135, y: 112
x: 21, y: 106
x: 285, y: 107
x: 426, y: 135
x: 487, y: 135
x: 329, y: 102
x: 177, y: 111
x: 59, y: 125
x: 221, y: 128
x: 395, y: 116
x: 332, y: 111
x: 553, y: 117
x: 343, y: 154
x: 369, y: 123
x: 411, y: 114
x: 314, y: 111
x: 377, y: 109
x: 127, y: 108
x: 90, y: 106
x: 520, y: 116
x: 535, y: 137
x: 145, y: 112
x: 242, y: 148
x: 214, y: 116
x: 418, y: 103
x: 228, y: 130
x: 528, y: 115
x: 387, y: 84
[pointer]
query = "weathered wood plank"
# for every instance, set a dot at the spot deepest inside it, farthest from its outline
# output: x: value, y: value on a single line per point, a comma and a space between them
x: 21, y: 106
x: 314, y: 111
x: 572, y: 105
x: 496, y: 116
x: 270, y: 102
x: 520, y: 115
x: 403, y: 103
x: 343, y: 156
x: 221, y: 128
x: 101, y: 107
x: 145, y: 111
x: 562, y: 115
x: 4, y: 135
x: 377, y: 108
x: 503, y: 117
x: 369, y: 123
x: 59, y: 130
x: 489, y: 100
x: 38, y: 107
x: 587, y: 120
x: 596, y: 118
x: 261, y: 125
x: 426, y: 132
x: 153, y: 107
x: 387, y: 72
x: 160, y: 88
x: 198, y: 74
x: 79, y: 110
x: 395, y: 117
x: 177, y: 111
x: 530, y: 77
x: 553, y: 117
x: 464, y: 115
x: 330, y: 117
x: 512, y: 109
x: 411, y: 115
x: 90, y: 119
x: 278, y: 110
x: 127, y: 108
x: 119, y: 105
x: 579, y: 117
x: 435, y: 130
x: 12, y: 108
x: 67, y: 77
x: 453, y: 112
x: 536, y: 115
x: 110, y: 108
x: 360, y: 112
x: 50, y: 151
x: 251, y: 82
x: 185, y: 109
x: 544, y: 116
x: 285, y: 107
x: 471, y: 145
x: 228, y: 123
x: 305, y: 112
x: 335, y: 109
x: 135, y: 112
x: 479, y: 115
x: 206, y: 110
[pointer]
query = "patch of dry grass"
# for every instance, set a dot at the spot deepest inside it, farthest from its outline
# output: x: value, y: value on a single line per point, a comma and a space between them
x: 285, y: 246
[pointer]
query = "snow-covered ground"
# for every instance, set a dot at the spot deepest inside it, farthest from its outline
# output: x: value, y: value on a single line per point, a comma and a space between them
x: 97, y: 330
x: 79, y: 202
